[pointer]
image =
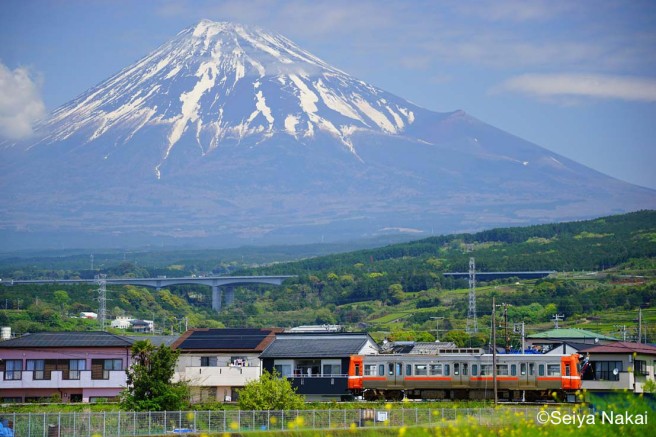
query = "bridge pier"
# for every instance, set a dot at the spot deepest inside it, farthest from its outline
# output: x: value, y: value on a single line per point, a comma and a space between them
x: 229, y: 295
x: 216, y: 298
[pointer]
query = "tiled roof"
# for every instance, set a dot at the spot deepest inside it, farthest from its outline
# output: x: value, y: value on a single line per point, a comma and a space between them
x: 316, y: 345
x: 567, y: 333
x: 623, y: 347
x: 228, y: 339
x: 67, y: 339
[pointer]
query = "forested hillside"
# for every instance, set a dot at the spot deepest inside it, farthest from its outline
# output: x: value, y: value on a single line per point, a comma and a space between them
x: 398, y: 289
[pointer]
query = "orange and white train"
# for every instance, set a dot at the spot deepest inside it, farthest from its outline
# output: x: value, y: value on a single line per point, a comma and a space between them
x: 530, y: 377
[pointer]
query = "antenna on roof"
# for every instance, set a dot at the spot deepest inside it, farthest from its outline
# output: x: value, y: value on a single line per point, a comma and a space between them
x: 557, y: 318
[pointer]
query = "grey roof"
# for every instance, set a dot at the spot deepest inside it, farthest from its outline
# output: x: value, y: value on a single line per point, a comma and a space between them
x: 316, y: 345
x: 67, y: 339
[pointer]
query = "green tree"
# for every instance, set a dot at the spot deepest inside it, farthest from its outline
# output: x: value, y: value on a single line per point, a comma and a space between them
x: 61, y: 298
x: 149, y: 386
x: 395, y: 293
x: 270, y: 392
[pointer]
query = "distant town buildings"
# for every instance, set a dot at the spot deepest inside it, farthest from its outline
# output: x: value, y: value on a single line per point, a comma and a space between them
x: 90, y: 366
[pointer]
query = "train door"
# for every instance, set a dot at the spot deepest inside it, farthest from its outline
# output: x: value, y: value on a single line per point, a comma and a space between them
x: 395, y: 373
x: 460, y: 373
x: 527, y: 374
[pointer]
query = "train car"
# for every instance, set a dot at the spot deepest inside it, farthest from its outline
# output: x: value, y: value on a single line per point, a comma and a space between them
x: 530, y: 377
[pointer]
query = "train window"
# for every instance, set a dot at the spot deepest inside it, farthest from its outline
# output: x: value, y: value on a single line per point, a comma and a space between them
x: 370, y: 370
x: 531, y: 369
x: 474, y: 369
x: 447, y: 370
x: 465, y: 369
x: 421, y: 369
x: 435, y: 369
x: 522, y: 368
x: 399, y: 369
x: 513, y: 369
x: 408, y: 369
x: 390, y: 367
x: 567, y: 370
x: 541, y: 370
x: 553, y: 369
x: 456, y: 368
x: 381, y: 370
x: 502, y: 369
x: 486, y: 369
x: 357, y: 370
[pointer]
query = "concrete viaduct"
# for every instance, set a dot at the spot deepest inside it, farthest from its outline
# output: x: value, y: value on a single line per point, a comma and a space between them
x: 215, y: 282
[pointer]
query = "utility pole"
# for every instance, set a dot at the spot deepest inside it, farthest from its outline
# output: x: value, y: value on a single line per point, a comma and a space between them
x: 437, y: 328
x: 622, y: 329
x: 519, y: 329
x: 557, y: 318
x: 494, y: 350
x: 639, y: 325
x: 505, y: 326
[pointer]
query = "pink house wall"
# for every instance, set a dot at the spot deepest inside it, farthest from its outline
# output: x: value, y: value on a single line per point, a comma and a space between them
x: 44, y: 388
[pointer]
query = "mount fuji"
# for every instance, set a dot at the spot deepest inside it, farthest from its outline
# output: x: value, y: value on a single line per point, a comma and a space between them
x: 228, y: 134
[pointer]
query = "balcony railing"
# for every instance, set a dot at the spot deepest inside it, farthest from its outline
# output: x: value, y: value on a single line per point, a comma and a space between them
x: 115, y: 378
x: 227, y: 376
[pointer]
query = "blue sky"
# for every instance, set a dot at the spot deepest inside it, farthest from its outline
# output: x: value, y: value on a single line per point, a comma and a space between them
x: 576, y: 77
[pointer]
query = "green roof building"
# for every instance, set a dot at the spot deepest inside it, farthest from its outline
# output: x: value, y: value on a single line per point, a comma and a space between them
x: 560, y: 335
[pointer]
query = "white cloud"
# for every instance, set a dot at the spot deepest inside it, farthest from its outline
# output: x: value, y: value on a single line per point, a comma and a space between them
x: 20, y: 103
x: 582, y: 85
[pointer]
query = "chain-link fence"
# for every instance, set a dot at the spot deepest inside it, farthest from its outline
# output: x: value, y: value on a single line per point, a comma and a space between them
x: 120, y: 423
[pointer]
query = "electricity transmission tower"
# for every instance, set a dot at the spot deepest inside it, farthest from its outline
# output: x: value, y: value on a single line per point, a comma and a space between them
x: 101, y: 280
x: 472, y: 325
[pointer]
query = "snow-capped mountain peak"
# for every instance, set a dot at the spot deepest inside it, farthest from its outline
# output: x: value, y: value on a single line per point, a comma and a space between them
x: 217, y: 83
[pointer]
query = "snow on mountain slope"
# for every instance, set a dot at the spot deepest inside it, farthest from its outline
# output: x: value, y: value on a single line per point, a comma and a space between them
x: 220, y: 81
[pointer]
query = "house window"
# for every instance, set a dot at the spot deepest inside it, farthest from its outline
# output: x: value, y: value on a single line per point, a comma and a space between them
x: 37, y: 367
x: 100, y: 368
x: 332, y: 369
x: 204, y: 361
x: 605, y: 370
x: 640, y: 367
x: 75, y: 367
x: 283, y: 369
x: 13, y: 370
x: 12, y: 400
